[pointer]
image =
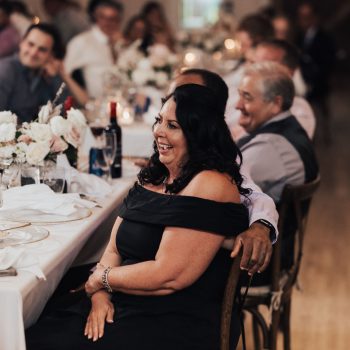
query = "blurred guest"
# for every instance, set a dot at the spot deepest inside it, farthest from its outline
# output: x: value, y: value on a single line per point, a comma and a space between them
x: 67, y: 17
x: 227, y: 22
x: 31, y: 78
x: 93, y: 52
x: 318, y: 55
x: 134, y: 30
x: 283, y: 28
x: 9, y: 37
x: 159, y: 29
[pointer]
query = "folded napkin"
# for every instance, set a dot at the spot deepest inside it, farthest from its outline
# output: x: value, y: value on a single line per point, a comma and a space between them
x: 21, y: 261
x: 79, y: 182
x: 40, y: 197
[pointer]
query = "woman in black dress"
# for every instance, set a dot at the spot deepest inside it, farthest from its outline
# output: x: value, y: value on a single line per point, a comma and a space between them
x: 159, y: 284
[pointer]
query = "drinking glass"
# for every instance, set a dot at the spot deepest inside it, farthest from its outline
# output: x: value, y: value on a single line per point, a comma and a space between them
x: 5, y: 162
x: 109, y: 150
x: 55, y: 178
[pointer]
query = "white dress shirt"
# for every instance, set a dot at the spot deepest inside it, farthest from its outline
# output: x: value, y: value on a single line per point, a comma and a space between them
x: 91, y: 52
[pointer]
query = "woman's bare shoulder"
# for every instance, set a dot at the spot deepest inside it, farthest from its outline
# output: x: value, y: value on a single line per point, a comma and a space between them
x: 213, y: 185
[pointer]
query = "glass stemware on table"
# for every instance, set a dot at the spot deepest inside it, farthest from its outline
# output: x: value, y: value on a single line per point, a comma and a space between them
x: 5, y: 163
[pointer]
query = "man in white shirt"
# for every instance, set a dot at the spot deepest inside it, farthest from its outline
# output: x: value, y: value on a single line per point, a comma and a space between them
x: 95, y: 51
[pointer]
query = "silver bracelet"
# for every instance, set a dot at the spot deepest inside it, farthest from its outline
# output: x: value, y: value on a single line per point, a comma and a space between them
x: 105, y: 283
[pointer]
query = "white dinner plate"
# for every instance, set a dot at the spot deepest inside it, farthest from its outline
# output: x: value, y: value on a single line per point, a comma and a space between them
x: 22, y: 235
x: 38, y: 217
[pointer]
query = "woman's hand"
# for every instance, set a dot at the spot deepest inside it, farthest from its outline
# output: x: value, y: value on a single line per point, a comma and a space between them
x: 94, y: 283
x: 102, y: 310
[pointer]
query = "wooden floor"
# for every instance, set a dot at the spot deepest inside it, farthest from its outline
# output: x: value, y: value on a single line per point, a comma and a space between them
x: 321, y: 312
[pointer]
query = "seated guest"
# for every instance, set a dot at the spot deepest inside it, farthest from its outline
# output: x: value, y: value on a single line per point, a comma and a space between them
x: 134, y: 30
x: 266, y: 95
x: 9, y: 37
x: 95, y: 51
x: 31, y: 78
x: 277, y: 150
x: 158, y: 28
x: 160, y: 283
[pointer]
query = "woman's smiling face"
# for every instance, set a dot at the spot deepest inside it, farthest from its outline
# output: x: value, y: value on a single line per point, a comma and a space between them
x: 170, y: 139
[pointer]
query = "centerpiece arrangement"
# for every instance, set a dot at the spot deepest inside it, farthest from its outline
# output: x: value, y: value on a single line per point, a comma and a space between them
x: 42, y: 139
x: 152, y: 66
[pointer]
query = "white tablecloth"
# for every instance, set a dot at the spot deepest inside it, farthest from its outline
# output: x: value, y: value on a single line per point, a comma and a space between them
x: 22, y: 298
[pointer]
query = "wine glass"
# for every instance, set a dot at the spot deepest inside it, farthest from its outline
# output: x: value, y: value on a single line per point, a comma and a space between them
x: 5, y: 162
x: 55, y: 178
x: 109, y: 150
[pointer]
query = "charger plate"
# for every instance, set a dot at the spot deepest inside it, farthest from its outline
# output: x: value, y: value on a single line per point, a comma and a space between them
x: 22, y: 235
x: 39, y: 217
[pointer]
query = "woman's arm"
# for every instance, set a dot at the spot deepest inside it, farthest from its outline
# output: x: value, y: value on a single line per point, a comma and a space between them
x: 183, y: 254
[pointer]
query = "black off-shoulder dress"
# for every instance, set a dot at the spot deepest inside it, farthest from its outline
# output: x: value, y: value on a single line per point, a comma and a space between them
x: 187, y: 319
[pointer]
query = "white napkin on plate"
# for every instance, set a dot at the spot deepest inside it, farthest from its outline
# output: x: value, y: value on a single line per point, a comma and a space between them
x: 42, y: 198
x: 89, y: 184
x: 21, y: 261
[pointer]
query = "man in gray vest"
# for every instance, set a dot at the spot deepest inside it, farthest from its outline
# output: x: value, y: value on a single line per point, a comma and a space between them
x: 277, y: 150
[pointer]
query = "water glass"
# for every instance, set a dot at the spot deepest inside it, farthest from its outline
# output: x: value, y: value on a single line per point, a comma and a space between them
x: 55, y: 178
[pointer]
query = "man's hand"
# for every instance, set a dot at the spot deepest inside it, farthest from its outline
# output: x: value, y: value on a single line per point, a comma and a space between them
x: 257, y: 248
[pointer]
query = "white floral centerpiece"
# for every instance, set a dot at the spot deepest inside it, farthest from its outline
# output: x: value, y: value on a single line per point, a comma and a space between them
x: 40, y: 140
x: 151, y: 68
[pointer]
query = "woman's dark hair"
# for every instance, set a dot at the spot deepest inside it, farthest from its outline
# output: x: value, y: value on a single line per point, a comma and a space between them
x: 58, y: 49
x: 214, y: 82
x: 131, y: 23
x: 209, y: 142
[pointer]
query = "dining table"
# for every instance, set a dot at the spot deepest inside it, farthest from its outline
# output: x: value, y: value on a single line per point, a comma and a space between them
x: 23, y: 297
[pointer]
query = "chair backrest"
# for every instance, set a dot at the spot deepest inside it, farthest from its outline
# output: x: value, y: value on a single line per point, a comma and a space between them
x: 227, y: 305
x: 293, y: 213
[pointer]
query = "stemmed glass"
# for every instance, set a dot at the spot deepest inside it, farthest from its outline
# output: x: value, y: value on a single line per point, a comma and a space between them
x: 109, y: 150
x: 5, y: 162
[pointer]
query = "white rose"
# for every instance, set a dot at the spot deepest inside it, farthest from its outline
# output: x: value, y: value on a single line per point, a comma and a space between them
x: 7, y: 151
x: 40, y: 132
x: 8, y: 117
x: 144, y: 64
x: 58, y: 145
x: 59, y: 126
x: 140, y: 77
x: 21, y: 151
x: 76, y: 118
x: 36, y: 152
x: 161, y: 79
x: 7, y: 132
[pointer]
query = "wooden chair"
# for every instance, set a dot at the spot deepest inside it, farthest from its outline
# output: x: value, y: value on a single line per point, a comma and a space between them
x: 294, y: 207
x: 227, y: 305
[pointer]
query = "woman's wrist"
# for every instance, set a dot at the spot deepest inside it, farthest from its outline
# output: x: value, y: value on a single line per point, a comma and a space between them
x: 104, y: 279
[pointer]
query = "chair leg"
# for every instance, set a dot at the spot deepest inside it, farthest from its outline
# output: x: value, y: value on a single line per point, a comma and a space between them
x: 286, y: 324
x: 274, y: 330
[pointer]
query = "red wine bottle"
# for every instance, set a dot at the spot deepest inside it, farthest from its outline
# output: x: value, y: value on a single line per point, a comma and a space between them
x: 116, y: 169
x: 71, y: 152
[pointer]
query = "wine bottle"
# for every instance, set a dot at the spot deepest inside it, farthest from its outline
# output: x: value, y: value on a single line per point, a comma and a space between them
x: 71, y: 152
x: 116, y: 169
